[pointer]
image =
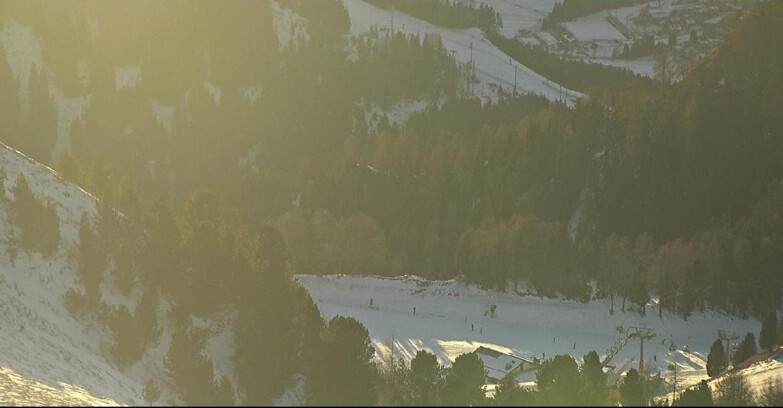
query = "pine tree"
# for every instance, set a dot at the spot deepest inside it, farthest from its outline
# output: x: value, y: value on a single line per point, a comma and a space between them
x: 89, y: 258
x: 464, y: 381
x: 101, y: 178
x: 594, y: 391
x: 342, y: 371
x: 193, y: 373
x: 129, y: 196
x: 768, y: 337
x: 151, y: 393
x: 632, y: 389
x: 509, y: 393
x: 771, y: 394
x: 3, y: 197
x: 733, y: 390
x: 745, y: 350
x: 160, y: 261
x: 701, y: 396
x: 38, y: 221
x: 559, y: 381
x: 426, y: 378
x: 272, y: 316
x: 716, y: 359
x: 24, y: 200
x: 69, y: 168
x: 9, y: 103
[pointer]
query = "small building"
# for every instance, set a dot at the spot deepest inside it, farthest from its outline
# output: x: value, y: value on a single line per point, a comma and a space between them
x: 499, y: 364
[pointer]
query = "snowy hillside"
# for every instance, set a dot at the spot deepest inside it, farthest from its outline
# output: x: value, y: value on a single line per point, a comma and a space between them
x: 450, y: 320
x: 758, y: 373
x: 48, y: 357
x: 494, y: 68
x: 43, y: 345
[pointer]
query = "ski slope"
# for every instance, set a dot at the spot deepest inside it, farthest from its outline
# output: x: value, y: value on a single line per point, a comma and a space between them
x: 526, y: 326
x: 494, y: 69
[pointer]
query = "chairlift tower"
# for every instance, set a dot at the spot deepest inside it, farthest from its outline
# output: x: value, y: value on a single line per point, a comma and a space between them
x: 728, y: 336
x: 641, y: 333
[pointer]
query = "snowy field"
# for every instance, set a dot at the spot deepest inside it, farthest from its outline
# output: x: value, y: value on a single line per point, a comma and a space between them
x: 494, y: 68
x: 450, y: 320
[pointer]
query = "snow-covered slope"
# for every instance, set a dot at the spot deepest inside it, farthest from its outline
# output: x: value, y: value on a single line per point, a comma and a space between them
x: 450, y: 319
x: 42, y: 345
x: 48, y: 357
x: 770, y: 369
x: 757, y: 374
x: 494, y: 68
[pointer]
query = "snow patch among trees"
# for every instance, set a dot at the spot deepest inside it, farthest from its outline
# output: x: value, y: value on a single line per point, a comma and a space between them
x: 127, y: 77
x: 291, y: 28
x: 164, y: 115
x: 23, y: 53
x: 69, y: 110
x: 214, y: 92
x: 252, y: 93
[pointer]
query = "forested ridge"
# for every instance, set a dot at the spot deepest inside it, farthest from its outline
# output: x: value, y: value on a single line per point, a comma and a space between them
x: 659, y: 190
x: 519, y: 190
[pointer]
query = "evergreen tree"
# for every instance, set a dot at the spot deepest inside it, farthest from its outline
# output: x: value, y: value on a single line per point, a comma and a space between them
x: 716, y: 359
x: 38, y: 221
x: 129, y: 196
x: 559, y: 381
x: 768, y: 337
x: 3, y: 196
x: 632, y: 389
x: 594, y: 391
x: 69, y: 168
x: 9, y: 103
x: 128, y: 345
x: 24, y: 200
x: 151, y: 393
x: 509, y: 393
x: 700, y: 396
x: 208, y: 246
x: 89, y: 258
x: 771, y: 395
x: 341, y: 371
x: 160, y: 249
x: 465, y: 381
x: 37, y: 132
x: 426, y: 378
x: 102, y: 178
x: 395, y: 385
x: 193, y: 373
x: 733, y: 390
x: 275, y: 319
x: 745, y: 350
